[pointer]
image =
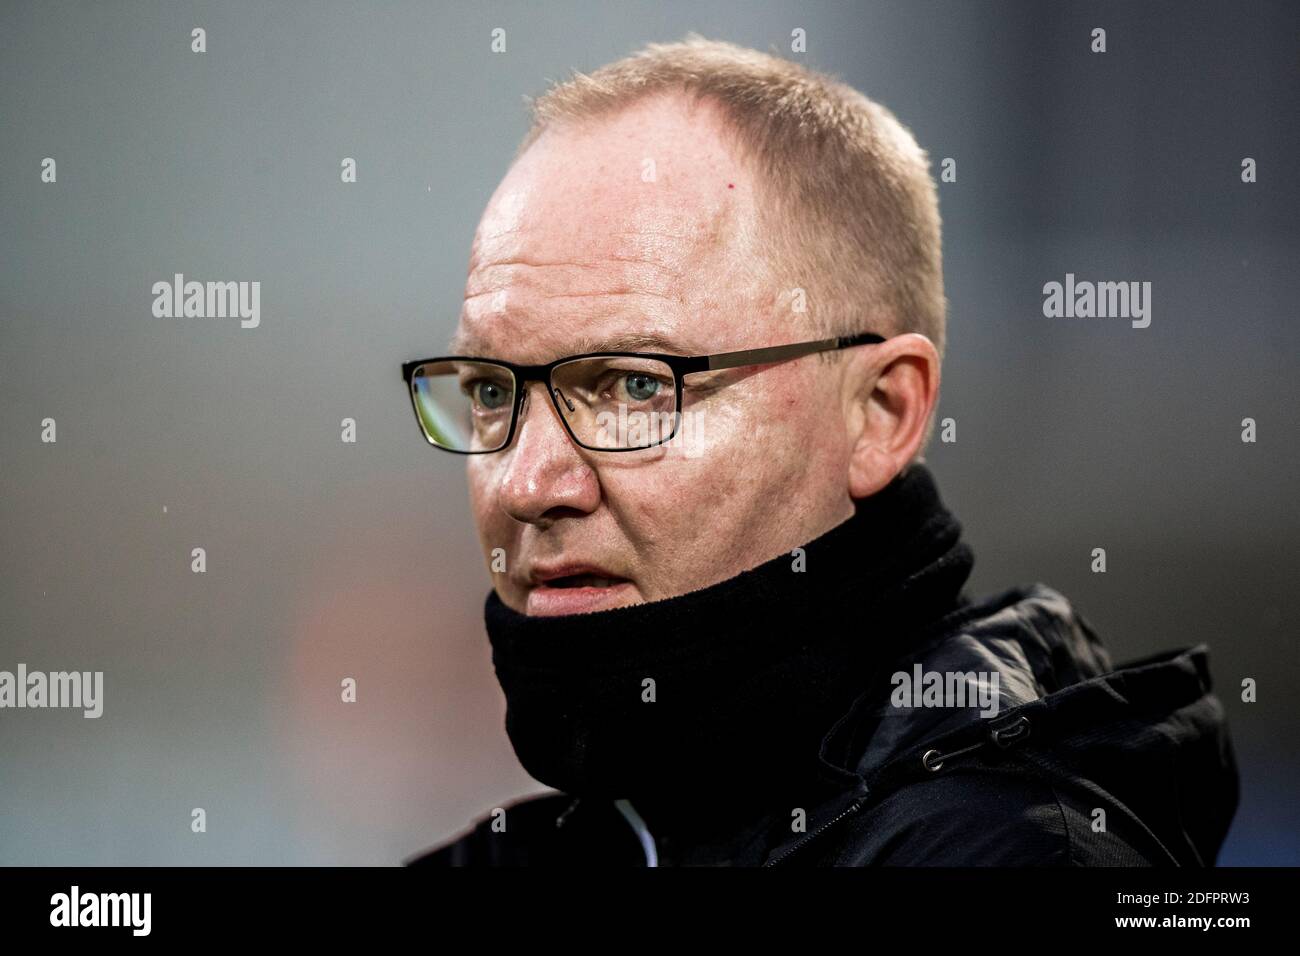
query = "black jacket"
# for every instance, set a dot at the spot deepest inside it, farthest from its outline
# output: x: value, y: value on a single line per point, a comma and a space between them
x: 1084, y: 765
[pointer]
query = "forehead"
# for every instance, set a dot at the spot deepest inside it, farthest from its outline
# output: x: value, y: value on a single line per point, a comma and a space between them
x: 633, y: 224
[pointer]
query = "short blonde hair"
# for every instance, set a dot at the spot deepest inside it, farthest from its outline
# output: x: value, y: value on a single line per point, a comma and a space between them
x: 851, y: 208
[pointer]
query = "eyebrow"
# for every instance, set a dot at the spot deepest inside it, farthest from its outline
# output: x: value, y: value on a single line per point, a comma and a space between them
x: 620, y: 342
x: 630, y: 342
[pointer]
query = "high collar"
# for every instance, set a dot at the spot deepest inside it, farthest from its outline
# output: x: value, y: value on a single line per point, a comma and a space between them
x: 716, y: 701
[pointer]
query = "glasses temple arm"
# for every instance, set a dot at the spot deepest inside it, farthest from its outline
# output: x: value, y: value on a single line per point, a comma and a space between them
x: 780, y: 353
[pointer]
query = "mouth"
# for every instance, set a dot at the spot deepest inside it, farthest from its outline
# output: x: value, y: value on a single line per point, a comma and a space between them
x: 583, y: 581
x: 576, y: 590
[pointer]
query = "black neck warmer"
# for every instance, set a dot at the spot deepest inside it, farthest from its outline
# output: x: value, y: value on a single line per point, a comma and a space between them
x: 749, y: 674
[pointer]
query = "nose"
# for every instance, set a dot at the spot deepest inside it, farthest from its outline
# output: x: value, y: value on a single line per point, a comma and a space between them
x: 545, y: 475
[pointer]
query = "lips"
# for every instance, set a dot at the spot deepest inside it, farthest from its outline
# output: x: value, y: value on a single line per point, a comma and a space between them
x: 583, y: 581
x: 575, y: 588
x: 565, y: 574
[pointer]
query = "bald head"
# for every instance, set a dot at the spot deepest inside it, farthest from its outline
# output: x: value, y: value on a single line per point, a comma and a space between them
x: 646, y: 218
x: 851, y: 214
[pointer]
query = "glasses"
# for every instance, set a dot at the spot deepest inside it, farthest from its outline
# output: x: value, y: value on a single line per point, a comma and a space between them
x: 608, y: 401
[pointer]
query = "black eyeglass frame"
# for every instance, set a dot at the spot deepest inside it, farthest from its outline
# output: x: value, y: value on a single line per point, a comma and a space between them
x: 681, y: 365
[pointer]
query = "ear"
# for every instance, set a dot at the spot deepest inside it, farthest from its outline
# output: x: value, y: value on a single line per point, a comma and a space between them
x: 892, y: 389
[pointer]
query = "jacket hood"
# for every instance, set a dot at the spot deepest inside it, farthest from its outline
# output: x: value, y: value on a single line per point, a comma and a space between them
x: 1147, y: 740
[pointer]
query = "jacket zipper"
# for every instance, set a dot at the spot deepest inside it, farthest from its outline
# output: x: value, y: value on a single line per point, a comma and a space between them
x: 1003, y: 734
x: 851, y: 809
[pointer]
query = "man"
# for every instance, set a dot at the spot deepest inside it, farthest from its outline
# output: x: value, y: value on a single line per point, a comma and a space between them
x: 728, y: 611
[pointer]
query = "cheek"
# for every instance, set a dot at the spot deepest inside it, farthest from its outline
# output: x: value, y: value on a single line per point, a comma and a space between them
x: 476, y: 475
x: 770, y: 431
x: 762, y: 446
x: 716, y: 469
x: 807, y: 420
x: 483, y: 481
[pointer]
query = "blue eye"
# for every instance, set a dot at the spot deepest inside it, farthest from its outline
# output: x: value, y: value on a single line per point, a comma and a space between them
x: 641, y: 386
x: 489, y: 394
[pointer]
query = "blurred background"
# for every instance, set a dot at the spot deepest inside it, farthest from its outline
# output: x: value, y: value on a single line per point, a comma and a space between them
x: 328, y: 560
